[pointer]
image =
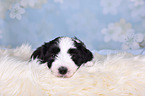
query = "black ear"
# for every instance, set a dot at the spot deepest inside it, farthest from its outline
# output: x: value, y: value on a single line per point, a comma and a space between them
x: 80, y: 54
x: 40, y: 53
x: 85, y: 53
x: 44, y: 51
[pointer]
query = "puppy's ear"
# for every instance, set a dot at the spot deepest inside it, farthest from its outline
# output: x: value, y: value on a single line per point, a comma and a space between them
x: 86, y: 54
x: 40, y: 53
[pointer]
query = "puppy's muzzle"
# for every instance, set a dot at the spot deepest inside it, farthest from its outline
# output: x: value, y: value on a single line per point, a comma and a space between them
x: 62, y: 70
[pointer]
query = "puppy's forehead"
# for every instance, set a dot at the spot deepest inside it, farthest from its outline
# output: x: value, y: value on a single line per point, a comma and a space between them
x: 66, y: 43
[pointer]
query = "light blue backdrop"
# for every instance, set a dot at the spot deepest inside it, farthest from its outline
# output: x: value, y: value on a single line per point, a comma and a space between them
x: 101, y: 24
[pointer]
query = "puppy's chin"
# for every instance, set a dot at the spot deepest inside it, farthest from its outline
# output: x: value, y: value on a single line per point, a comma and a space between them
x: 67, y: 75
x: 64, y: 76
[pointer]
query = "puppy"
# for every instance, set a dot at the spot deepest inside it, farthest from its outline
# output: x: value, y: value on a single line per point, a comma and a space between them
x: 63, y: 55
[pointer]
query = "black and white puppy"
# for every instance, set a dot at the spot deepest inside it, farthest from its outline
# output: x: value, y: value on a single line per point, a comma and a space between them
x: 63, y: 55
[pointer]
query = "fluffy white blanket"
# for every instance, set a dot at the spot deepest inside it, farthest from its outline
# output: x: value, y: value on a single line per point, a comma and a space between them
x: 120, y: 74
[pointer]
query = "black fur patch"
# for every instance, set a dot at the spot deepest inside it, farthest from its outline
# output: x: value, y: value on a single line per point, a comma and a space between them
x: 47, y: 52
x: 80, y: 54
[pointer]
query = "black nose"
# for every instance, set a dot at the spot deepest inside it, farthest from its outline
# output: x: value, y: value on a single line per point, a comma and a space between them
x: 62, y: 70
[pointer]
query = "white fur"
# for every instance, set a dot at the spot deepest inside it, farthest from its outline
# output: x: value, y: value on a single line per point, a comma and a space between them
x: 112, y: 75
x: 64, y: 59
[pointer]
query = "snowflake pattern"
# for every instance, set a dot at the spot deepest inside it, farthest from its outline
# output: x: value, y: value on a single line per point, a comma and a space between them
x: 16, y: 12
x: 116, y: 31
x: 132, y: 40
x: 122, y: 32
x: 111, y: 33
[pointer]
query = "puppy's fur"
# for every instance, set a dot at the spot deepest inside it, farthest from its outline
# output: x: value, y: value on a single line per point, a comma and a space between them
x: 63, y: 55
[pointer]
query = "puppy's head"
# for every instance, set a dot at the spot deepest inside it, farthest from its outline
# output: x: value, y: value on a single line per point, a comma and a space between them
x: 63, y: 55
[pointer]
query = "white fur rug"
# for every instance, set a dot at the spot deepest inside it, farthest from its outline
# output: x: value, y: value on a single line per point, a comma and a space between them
x: 120, y: 74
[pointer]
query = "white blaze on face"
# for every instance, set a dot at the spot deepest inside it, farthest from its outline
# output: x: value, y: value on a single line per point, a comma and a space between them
x: 64, y: 59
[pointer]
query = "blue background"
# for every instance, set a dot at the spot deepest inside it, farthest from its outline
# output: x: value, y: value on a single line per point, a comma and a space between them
x: 85, y: 19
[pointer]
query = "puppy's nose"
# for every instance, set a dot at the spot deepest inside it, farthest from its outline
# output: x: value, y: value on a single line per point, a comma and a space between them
x: 62, y: 70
